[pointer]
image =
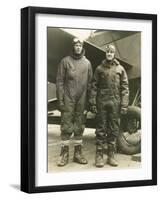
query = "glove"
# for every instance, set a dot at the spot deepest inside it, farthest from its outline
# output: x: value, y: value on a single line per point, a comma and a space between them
x: 93, y: 109
x: 123, y: 111
x: 61, y: 106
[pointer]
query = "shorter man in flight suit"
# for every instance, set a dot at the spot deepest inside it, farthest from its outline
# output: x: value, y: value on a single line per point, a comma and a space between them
x: 108, y: 99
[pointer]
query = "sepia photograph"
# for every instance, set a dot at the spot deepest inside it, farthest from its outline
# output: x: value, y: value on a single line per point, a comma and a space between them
x: 94, y: 99
x: 89, y: 91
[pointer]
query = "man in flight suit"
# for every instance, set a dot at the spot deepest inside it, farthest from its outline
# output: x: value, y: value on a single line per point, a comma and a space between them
x: 108, y: 98
x: 73, y: 84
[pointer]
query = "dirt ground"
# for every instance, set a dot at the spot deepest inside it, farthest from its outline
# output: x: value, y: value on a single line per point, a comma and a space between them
x: 125, y: 161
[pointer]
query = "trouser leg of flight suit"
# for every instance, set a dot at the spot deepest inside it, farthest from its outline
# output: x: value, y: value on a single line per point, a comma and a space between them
x: 79, y: 118
x: 112, y: 131
x: 72, y: 119
x: 67, y: 116
x: 113, y: 121
x: 107, y: 122
x: 101, y: 128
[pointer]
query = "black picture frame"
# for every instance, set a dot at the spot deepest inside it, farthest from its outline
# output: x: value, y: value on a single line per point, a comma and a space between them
x: 28, y: 91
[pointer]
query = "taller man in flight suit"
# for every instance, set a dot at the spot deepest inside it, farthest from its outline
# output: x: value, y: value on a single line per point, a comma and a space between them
x: 73, y: 84
x: 108, y: 98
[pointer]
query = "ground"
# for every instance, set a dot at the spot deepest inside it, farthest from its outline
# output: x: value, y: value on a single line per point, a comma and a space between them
x: 125, y: 161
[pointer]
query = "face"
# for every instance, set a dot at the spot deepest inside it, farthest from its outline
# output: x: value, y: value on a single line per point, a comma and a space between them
x: 78, y: 48
x: 110, y: 54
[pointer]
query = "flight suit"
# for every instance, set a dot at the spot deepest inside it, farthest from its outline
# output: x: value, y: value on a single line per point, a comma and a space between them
x: 109, y: 93
x: 73, y: 84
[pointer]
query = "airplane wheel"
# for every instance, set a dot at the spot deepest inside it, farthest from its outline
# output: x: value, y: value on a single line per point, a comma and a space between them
x: 129, y: 139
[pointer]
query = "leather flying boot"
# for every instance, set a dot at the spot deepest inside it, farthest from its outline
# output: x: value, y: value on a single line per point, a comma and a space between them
x: 78, y: 156
x: 111, y: 152
x: 64, y: 156
x: 99, y: 157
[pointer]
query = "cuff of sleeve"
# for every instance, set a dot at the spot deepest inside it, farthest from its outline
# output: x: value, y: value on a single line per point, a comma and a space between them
x: 92, y: 102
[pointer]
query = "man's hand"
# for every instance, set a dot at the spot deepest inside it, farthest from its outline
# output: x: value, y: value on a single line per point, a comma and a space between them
x: 61, y: 106
x: 93, y: 109
x: 123, y: 111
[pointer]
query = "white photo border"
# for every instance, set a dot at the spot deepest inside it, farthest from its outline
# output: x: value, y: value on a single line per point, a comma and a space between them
x: 42, y: 21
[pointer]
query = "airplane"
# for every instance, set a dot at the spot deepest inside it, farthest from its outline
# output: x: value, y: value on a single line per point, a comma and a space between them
x: 128, y: 53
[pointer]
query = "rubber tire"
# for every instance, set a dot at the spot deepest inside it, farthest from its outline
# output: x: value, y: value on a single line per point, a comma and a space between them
x: 122, y: 144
